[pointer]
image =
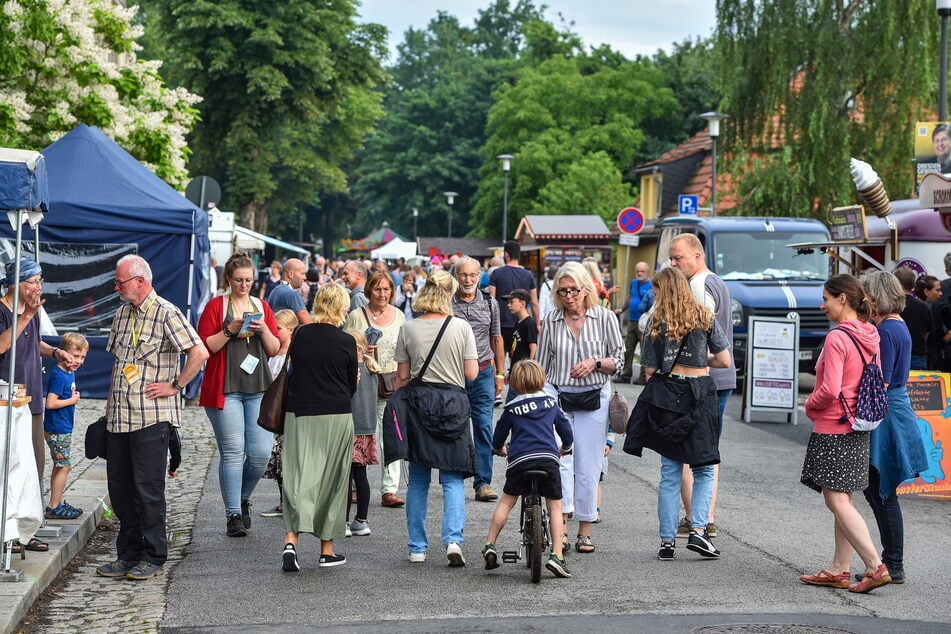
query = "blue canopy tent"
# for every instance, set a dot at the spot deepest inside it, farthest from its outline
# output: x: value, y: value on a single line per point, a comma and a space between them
x: 104, y: 204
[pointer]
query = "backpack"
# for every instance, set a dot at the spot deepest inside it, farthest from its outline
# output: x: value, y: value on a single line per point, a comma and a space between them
x: 872, y: 405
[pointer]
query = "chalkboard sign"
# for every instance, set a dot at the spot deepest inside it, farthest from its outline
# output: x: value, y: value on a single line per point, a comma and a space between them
x: 847, y: 224
x: 927, y: 393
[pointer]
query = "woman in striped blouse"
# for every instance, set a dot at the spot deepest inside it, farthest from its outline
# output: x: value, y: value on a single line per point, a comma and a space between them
x: 581, y: 348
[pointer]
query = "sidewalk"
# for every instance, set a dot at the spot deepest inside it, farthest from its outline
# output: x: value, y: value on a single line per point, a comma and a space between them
x: 87, y: 489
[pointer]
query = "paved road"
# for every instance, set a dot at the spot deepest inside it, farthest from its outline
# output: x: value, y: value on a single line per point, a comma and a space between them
x: 771, y: 529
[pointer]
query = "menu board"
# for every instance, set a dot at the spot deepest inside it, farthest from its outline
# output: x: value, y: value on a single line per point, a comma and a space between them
x: 847, y: 224
x: 928, y: 392
x: 772, y: 372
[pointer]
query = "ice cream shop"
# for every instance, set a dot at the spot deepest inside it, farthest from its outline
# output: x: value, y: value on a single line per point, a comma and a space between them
x: 553, y: 240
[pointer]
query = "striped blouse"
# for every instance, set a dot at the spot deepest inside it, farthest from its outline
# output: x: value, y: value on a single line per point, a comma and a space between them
x: 558, y: 350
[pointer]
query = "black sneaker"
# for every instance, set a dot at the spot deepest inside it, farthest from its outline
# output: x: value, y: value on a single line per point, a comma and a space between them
x: 143, y: 570
x: 329, y: 561
x: 289, y: 559
x: 701, y: 544
x: 557, y: 566
x: 491, y: 557
x: 666, y: 552
x: 117, y: 568
x: 246, y: 513
x: 236, y: 526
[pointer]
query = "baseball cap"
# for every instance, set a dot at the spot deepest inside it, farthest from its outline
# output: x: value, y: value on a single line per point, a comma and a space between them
x: 519, y: 293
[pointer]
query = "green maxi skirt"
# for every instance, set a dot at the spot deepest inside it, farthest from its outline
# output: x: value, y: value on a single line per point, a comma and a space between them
x: 317, y: 456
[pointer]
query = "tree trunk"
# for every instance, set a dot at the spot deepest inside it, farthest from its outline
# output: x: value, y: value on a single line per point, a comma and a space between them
x: 254, y: 215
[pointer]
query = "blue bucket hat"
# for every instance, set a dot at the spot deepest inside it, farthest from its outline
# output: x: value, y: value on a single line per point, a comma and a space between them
x: 28, y: 268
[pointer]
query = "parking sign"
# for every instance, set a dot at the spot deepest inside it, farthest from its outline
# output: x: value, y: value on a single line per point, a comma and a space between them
x: 688, y: 205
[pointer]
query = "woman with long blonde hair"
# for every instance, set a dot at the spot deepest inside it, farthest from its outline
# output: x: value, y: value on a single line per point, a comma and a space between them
x: 683, y: 342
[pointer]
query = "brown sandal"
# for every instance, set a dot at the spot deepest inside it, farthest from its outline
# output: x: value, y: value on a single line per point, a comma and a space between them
x: 827, y: 579
x: 584, y: 545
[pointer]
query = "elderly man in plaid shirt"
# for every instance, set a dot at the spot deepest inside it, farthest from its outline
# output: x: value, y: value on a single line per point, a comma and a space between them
x: 149, y: 335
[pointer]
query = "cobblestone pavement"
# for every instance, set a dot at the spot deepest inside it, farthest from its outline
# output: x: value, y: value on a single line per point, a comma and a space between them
x: 80, y: 600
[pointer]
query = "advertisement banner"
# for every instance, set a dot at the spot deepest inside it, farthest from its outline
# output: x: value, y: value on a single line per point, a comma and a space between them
x: 928, y: 392
x: 932, y: 149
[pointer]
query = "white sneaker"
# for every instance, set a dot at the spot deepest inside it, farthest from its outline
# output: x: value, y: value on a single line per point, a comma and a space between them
x: 358, y: 528
x: 454, y: 554
x: 347, y: 532
x: 417, y: 558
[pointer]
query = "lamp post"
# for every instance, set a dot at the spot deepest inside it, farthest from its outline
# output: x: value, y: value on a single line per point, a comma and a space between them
x: 944, y: 10
x: 506, y: 166
x: 450, y: 197
x: 713, y: 124
x: 415, y: 219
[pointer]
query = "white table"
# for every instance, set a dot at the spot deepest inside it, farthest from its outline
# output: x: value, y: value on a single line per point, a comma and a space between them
x: 24, y: 498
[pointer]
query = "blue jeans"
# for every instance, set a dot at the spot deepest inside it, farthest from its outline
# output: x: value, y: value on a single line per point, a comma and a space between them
x: 668, y: 497
x: 482, y: 399
x: 724, y: 396
x: 918, y: 363
x: 243, y: 447
x: 417, y: 505
x: 891, y: 524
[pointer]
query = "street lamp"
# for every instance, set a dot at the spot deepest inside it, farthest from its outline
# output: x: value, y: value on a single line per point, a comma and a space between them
x: 415, y: 219
x: 450, y: 197
x: 713, y: 124
x: 506, y: 166
x: 944, y: 10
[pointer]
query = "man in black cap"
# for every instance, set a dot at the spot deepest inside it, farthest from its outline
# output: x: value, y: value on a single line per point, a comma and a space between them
x: 506, y: 279
x: 525, y: 334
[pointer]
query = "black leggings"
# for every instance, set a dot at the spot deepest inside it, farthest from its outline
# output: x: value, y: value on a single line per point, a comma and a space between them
x: 358, y: 480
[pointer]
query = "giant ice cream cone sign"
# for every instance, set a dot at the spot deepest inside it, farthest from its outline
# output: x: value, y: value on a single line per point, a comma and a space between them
x: 871, y: 190
x: 935, y: 192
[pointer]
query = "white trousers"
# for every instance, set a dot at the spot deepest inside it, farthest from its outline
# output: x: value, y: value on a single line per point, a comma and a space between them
x: 581, y: 470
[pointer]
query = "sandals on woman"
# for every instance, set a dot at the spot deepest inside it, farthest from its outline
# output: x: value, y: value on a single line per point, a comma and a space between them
x: 827, y: 579
x: 584, y: 545
x: 35, y: 545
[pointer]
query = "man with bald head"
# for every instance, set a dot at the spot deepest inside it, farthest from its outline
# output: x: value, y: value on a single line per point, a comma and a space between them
x: 285, y: 294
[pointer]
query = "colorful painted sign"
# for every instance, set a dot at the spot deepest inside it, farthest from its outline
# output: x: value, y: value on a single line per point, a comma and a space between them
x: 929, y: 392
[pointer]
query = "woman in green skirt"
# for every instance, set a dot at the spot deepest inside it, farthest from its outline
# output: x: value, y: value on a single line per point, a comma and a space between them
x: 318, y: 429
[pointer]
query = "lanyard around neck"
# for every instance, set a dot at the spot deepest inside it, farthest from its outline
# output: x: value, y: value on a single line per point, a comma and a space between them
x: 145, y: 312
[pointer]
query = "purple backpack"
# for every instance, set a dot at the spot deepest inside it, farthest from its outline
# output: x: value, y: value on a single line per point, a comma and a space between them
x: 872, y: 402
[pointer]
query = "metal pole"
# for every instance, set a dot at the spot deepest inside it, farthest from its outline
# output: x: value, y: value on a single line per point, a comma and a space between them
x: 713, y: 185
x: 450, y: 220
x: 943, y: 79
x: 505, y: 209
x: 12, y: 379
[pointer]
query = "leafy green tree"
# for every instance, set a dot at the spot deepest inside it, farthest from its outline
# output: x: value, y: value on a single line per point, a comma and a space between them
x: 289, y: 90
x: 66, y: 63
x: 429, y: 141
x: 809, y: 83
x: 574, y: 126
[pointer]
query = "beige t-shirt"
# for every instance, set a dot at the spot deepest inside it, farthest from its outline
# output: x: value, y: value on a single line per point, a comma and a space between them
x: 457, y: 344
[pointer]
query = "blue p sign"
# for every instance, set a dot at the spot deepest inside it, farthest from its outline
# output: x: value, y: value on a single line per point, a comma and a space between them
x: 688, y: 205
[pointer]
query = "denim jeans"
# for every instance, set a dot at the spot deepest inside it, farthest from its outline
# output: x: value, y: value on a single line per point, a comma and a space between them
x: 417, y: 505
x: 243, y: 447
x: 482, y: 399
x: 724, y: 397
x: 668, y: 497
x: 891, y: 524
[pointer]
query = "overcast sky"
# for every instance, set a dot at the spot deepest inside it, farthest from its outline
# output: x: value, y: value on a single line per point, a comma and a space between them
x: 630, y: 26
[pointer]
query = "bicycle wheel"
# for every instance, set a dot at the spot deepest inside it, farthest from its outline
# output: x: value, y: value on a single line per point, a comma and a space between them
x: 537, y: 547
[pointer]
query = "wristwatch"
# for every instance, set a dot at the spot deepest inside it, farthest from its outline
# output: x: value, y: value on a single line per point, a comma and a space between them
x: 228, y: 333
x: 176, y: 385
x: 597, y: 364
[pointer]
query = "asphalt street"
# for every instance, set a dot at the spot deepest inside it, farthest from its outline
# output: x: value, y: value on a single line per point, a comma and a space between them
x: 771, y: 530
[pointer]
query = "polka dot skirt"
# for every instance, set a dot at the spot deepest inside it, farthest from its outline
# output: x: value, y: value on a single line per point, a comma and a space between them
x: 836, y: 461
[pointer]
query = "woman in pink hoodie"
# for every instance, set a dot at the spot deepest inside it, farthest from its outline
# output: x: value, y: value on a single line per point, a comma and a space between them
x: 836, y: 461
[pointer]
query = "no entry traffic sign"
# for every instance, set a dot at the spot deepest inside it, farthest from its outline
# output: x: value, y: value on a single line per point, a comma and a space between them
x: 630, y: 220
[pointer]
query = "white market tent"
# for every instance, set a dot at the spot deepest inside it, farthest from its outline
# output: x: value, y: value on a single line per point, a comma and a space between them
x: 394, y: 249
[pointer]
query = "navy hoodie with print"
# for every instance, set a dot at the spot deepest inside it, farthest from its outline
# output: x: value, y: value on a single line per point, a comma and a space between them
x: 533, y: 420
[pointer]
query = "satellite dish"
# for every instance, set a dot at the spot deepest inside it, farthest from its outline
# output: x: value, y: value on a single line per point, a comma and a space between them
x: 204, y: 192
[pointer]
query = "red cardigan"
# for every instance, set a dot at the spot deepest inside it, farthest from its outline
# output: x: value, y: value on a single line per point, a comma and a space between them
x: 209, y: 324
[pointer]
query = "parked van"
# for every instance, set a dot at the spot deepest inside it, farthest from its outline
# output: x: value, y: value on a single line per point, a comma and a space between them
x: 766, y: 278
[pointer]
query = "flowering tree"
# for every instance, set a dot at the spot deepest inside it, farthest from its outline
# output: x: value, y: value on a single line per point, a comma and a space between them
x: 65, y: 62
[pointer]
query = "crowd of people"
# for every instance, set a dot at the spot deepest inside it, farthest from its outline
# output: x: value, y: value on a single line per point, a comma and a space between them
x: 402, y: 368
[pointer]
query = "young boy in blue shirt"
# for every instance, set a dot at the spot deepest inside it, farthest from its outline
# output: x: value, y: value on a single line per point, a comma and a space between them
x: 61, y: 399
x: 533, y: 417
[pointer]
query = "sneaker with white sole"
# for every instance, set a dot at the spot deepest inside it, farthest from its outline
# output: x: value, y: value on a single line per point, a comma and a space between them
x: 666, y: 552
x: 557, y: 566
x: 329, y: 561
x: 684, y: 528
x: 289, y: 561
x: 346, y: 530
x: 359, y: 528
x: 454, y: 555
x: 701, y: 544
x: 711, y: 530
x: 417, y: 558
x: 490, y: 556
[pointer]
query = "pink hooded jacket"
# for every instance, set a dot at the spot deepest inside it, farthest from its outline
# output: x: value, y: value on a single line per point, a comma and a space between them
x: 839, y: 369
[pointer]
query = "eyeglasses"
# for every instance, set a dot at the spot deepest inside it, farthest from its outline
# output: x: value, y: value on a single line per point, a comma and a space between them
x: 468, y: 275
x: 566, y: 292
x: 121, y: 283
x: 38, y: 282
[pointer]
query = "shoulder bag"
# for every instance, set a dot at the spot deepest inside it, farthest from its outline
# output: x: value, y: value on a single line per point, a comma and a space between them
x: 385, y: 381
x: 271, y: 414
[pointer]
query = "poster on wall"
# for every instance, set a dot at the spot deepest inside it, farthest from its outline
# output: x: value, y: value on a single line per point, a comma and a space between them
x: 929, y: 392
x: 932, y: 149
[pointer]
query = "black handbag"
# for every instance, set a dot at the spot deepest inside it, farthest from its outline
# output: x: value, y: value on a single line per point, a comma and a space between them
x: 587, y: 401
x: 95, y: 445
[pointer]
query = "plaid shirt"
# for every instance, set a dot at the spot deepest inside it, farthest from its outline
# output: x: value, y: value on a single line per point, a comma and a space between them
x: 162, y: 334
